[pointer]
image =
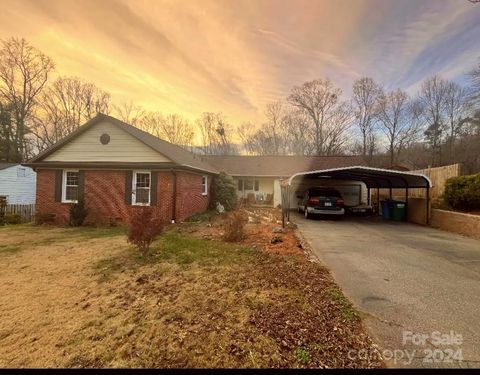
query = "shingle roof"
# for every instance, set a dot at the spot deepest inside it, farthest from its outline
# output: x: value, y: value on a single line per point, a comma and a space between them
x: 175, y: 153
x: 278, y: 166
x: 4, y: 165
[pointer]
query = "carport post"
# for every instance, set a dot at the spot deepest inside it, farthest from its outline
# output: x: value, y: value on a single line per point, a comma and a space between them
x: 368, y: 196
x: 378, y: 200
x: 427, y: 208
x: 390, y: 192
x: 288, y: 203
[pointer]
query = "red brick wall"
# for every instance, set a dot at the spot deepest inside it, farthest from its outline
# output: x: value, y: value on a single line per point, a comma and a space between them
x: 105, y: 196
x: 45, y: 202
x: 190, y: 200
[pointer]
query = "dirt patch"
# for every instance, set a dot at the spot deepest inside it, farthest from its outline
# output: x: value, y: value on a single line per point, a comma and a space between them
x: 80, y: 298
x: 263, y: 231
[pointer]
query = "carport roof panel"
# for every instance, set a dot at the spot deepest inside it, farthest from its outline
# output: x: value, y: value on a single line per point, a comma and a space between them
x: 372, y: 177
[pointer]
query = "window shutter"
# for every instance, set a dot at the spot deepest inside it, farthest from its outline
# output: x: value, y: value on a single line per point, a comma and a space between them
x: 240, y: 185
x: 153, y: 188
x: 58, y: 185
x: 128, y: 187
x: 257, y: 187
x: 81, y: 185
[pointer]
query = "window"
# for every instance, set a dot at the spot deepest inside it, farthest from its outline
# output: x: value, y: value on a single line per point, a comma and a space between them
x: 21, y: 172
x: 141, y: 188
x: 204, y: 185
x: 250, y: 185
x: 70, y: 186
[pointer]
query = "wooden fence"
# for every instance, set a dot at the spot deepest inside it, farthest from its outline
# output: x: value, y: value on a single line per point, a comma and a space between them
x: 26, y: 211
x: 439, y: 177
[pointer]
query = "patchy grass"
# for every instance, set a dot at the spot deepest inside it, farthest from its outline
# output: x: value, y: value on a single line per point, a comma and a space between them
x: 344, y: 304
x: 71, y: 297
x: 204, y: 216
x: 10, y: 249
x: 16, y: 227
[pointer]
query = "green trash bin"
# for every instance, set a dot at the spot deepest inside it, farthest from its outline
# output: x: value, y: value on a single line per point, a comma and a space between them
x: 399, y: 211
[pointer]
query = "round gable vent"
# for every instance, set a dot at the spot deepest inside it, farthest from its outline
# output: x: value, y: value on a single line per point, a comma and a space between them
x: 104, y: 139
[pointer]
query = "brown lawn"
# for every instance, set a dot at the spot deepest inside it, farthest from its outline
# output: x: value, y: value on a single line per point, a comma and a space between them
x: 82, y: 297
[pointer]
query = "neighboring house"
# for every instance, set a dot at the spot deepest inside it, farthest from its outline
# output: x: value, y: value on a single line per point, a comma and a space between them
x: 117, y: 168
x: 258, y: 177
x: 17, y: 183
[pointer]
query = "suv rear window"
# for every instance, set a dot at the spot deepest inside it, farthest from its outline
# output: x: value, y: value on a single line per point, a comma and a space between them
x: 324, y: 193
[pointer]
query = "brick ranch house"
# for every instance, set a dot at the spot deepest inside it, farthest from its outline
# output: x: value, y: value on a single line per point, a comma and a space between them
x: 117, y: 168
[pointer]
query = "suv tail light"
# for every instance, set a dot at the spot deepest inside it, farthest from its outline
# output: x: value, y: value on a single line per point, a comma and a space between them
x: 340, y: 202
x: 313, y: 201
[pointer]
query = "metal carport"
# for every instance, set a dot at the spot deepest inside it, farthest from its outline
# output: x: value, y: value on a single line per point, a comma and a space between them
x: 373, y: 178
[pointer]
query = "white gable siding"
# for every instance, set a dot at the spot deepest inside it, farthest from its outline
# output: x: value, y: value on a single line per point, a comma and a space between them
x: 18, y: 190
x: 122, y: 147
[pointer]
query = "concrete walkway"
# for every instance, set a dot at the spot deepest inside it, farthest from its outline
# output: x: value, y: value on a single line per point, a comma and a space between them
x: 406, y: 278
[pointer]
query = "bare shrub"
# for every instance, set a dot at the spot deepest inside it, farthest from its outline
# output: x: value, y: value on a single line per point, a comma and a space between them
x: 144, y: 226
x: 234, y: 223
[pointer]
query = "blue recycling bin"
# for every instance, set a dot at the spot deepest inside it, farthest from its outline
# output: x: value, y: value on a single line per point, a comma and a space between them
x: 386, y: 211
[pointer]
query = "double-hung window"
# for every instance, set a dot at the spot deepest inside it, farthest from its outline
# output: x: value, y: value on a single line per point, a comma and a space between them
x: 204, y: 185
x: 249, y: 185
x: 70, y: 186
x: 141, y: 188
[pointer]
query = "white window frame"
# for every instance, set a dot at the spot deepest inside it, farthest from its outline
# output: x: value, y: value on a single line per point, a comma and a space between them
x: 205, y: 185
x: 134, y: 188
x: 21, y: 169
x: 64, y: 187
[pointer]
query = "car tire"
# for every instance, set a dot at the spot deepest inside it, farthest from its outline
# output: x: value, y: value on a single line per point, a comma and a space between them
x: 307, y: 215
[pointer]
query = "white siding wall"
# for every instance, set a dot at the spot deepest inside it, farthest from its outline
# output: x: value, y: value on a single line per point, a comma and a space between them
x: 122, y: 147
x: 277, y: 193
x: 18, y: 190
x: 265, y: 186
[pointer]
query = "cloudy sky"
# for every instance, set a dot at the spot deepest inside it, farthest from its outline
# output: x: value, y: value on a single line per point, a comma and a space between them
x: 234, y: 56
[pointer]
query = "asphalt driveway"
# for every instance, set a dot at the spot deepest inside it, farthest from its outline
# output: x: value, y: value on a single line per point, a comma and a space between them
x: 406, y: 278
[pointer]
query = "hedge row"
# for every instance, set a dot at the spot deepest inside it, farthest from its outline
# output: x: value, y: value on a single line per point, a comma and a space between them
x: 463, y: 193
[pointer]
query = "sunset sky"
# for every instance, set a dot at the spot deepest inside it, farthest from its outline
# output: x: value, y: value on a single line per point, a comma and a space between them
x: 193, y: 56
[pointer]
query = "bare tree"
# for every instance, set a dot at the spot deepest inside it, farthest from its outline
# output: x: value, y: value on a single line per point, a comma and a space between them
x: 457, y: 107
x: 274, y: 128
x: 319, y: 99
x: 24, y: 72
x: 258, y: 143
x: 340, y: 121
x: 216, y: 134
x: 7, y: 132
x: 172, y: 128
x: 475, y: 85
x: 270, y: 139
x: 365, y: 96
x: 63, y: 107
x: 130, y: 113
x: 394, y: 121
x: 298, y: 133
x: 433, y: 98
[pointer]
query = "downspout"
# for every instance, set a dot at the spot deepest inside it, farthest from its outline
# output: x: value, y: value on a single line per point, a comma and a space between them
x: 174, y: 196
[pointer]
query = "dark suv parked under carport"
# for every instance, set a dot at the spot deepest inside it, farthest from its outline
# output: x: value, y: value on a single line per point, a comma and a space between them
x: 321, y: 201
